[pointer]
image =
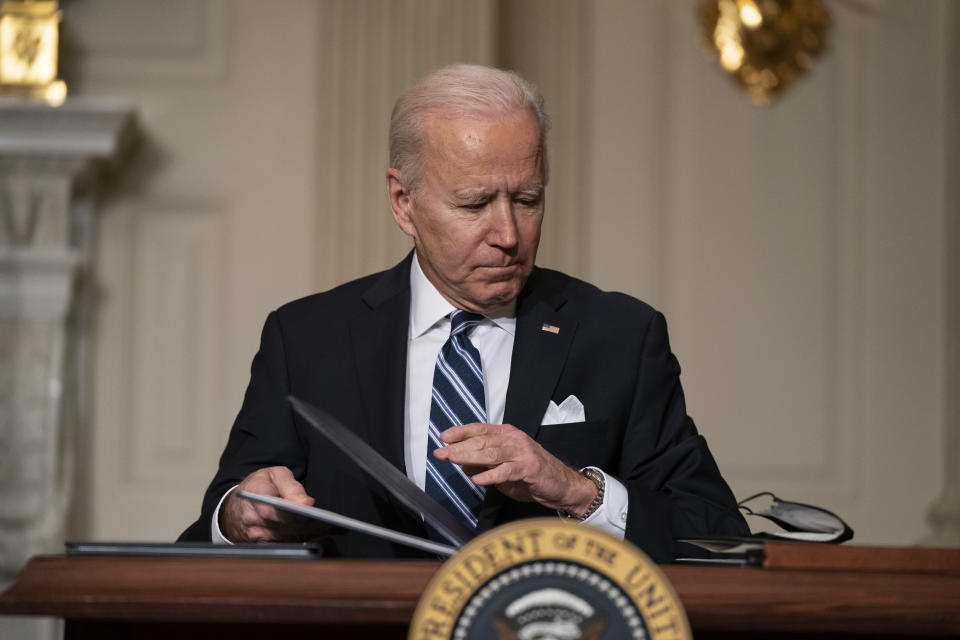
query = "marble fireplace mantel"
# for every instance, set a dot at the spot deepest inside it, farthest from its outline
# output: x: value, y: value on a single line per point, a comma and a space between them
x: 52, y: 160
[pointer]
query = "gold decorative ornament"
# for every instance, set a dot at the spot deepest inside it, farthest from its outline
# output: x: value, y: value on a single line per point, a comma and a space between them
x: 549, y: 578
x: 765, y: 44
x: 29, y: 43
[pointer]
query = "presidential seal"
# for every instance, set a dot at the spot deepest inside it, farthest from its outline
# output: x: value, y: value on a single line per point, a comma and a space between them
x: 548, y: 579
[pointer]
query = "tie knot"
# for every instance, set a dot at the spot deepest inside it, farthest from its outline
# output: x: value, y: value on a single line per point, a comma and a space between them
x: 463, y: 321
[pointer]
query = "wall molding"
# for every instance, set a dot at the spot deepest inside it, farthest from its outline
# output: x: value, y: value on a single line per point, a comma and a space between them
x: 175, y: 292
x: 132, y: 47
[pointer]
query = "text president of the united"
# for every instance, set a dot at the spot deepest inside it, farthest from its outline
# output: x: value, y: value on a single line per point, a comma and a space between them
x: 568, y: 398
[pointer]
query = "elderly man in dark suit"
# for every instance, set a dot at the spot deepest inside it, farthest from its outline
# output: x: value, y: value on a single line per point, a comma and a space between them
x: 506, y: 390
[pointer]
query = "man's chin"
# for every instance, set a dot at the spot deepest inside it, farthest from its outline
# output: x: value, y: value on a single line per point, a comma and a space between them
x: 498, y: 296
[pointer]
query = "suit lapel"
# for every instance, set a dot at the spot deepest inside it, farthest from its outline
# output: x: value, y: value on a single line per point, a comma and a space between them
x: 540, y: 347
x: 541, y: 344
x: 379, y: 340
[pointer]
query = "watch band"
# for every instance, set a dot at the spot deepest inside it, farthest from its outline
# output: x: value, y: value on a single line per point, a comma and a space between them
x: 597, y: 478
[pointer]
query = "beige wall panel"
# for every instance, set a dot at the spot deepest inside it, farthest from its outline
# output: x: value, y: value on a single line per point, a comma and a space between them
x: 164, y: 314
x: 369, y: 52
x: 547, y: 41
x: 625, y: 106
x: 783, y: 275
x: 752, y: 265
x: 904, y: 305
x: 178, y: 311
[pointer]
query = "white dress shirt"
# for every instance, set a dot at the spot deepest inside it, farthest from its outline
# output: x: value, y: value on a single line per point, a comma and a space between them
x: 429, y: 328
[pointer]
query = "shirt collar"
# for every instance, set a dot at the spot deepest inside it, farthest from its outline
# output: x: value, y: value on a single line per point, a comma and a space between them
x: 428, y: 306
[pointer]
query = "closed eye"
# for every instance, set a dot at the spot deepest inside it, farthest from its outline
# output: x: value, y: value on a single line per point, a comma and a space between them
x: 529, y: 197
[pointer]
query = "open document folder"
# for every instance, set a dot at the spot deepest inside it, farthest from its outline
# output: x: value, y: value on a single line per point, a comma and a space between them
x: 393, y: 480
x: 353, y: 524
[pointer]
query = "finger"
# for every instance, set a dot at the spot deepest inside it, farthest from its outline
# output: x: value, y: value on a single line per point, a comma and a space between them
x: 260, y: 481
x: 473, y: 469
x: 496, y: 475
x: 462, y: 432
x: 488, y: 477
x: 456, y: 452
x: 287, y: 486
x: 476, y: 442
x: 475, y: 451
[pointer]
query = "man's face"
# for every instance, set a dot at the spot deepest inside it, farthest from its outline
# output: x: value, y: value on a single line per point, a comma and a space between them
x: 475, y: 216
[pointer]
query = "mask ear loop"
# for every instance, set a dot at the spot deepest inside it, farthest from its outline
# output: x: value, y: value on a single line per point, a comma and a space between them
x: 742, y: 505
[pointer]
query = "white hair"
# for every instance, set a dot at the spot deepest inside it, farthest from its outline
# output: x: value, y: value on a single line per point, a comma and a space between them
x: 459, y: 90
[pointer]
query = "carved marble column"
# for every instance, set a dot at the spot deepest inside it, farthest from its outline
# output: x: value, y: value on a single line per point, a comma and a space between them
x: 51, y: 164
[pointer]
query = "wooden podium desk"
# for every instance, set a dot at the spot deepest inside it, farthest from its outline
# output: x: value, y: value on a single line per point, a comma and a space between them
x: 841, y: 592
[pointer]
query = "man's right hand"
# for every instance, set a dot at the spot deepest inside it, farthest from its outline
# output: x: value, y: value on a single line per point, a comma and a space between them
x: 243, y: 520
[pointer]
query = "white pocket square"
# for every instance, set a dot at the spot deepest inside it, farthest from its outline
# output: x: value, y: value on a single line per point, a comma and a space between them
x: 570, y: 410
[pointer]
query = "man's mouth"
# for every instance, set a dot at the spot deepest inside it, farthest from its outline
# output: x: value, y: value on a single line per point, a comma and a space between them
x: 501, y: 273
x: 504, y: 270
x: 509, y: 265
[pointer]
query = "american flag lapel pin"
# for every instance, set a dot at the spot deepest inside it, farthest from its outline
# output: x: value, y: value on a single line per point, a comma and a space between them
x: 549, y: 328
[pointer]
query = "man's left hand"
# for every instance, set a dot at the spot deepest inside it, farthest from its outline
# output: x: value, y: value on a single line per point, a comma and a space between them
x: 505, y: 457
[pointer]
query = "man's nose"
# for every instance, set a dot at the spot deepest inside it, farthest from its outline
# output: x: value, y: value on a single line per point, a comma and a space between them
x: 503, y: 224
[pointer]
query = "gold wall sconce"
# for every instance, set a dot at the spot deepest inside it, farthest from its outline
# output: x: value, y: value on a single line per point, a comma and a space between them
x: 29, y: 44
x: 765, y: 45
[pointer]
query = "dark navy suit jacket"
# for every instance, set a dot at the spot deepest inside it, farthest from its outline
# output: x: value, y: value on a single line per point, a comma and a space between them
x: 345, y: 351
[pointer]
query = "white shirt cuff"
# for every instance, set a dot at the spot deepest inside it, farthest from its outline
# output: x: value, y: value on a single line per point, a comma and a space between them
x: 611, y: 515
x: 216, y: 536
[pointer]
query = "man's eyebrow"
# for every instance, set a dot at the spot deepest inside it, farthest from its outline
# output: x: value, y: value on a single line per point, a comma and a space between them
x: 536, y: 190
x: 482, y: 196
x: 471, y: 196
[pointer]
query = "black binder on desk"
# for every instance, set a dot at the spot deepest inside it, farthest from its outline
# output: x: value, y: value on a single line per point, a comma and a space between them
x: 189, y: 549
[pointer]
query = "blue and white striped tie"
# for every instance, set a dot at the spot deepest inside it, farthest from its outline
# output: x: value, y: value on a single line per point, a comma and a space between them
x: 457, y: 399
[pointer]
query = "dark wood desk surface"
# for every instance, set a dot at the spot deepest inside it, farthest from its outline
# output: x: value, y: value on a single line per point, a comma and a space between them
x: 720, y: 601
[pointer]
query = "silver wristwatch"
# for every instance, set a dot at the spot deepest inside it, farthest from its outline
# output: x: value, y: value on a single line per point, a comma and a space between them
x: 597, y: 478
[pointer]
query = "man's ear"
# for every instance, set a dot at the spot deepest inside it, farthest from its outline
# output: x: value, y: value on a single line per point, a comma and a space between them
x: 401, y: 203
